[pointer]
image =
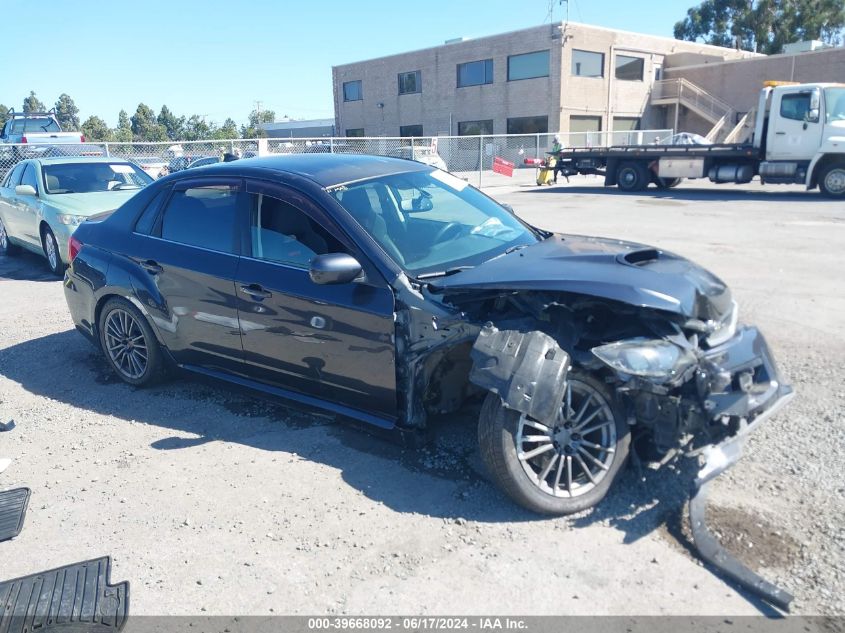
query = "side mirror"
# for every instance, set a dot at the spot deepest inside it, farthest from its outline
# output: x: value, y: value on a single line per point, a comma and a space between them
x: 25, y: 190
x: 507, y: 206
x: 334, y: 268
x: 813, y: 116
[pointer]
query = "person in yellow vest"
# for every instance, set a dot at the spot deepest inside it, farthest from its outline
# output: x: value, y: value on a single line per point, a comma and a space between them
x: 557, y: 147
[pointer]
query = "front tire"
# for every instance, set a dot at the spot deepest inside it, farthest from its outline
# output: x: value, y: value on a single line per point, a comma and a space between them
x: 6, y: 246
x: 51, y: 252
x: 832, y: 181
x: 632, y: 176
x: 560, y: 469
x: 129, y: 345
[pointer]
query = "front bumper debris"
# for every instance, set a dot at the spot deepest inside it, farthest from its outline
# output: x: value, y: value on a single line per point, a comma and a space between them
x: 718, y: 459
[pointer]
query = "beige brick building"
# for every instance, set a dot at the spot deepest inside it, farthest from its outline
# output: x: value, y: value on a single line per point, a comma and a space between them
x: 555, y: 77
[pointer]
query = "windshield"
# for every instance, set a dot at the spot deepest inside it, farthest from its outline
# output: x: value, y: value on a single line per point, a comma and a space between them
x: 35, y: 124
x: 834, y: 104
x: 91, y: 177
x: 433, y: 222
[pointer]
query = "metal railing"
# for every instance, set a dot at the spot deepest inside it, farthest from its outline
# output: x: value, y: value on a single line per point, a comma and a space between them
x: 688, y: 94
x: 470, y: 157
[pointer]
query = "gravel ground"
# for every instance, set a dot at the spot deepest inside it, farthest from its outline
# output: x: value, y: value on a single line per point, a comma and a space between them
x: 213, y: 502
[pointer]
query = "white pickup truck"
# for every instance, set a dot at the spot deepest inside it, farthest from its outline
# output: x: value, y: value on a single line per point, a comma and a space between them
x: 799, y: 138
x: 26, y: 128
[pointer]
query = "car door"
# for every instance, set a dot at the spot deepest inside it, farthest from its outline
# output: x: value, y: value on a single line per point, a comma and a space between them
x: 189, y: 261
x: 9, y: 200
x: 28, y: 208
x: 796, y: 132
x: 333, y: 342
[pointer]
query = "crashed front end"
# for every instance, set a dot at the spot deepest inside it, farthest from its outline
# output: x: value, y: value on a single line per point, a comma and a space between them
x: 703, y: 395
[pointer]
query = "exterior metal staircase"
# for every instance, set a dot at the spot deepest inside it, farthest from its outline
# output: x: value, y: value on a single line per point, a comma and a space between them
x: 681, y: 92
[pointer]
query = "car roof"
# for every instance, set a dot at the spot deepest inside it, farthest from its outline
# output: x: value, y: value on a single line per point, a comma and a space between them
x: 63, y: 160
x: 327, y: 170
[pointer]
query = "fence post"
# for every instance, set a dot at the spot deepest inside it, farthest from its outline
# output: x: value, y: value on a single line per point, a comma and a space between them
x: 480, y: 158
x: 331, y: 144
x: 413, y: 154
x: 537, y: 153
x: 106, y: 145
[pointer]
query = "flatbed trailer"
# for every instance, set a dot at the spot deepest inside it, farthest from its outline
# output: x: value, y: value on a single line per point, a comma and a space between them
x: 799, y: 138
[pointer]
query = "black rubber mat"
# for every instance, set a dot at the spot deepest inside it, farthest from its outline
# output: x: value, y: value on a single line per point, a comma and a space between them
x: 12, y: 511
x: 75, y: 598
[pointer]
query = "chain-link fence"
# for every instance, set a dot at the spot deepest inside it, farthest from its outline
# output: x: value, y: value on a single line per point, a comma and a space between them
x: 470, y: 157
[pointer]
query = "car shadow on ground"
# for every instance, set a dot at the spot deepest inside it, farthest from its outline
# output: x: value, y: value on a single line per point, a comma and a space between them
x: 443, y: 479
x: 681, y: 194
x: 25, y: 266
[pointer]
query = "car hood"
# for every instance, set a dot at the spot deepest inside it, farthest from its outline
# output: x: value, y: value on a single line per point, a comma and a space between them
x: 611, y: 269
x: 89, y: 203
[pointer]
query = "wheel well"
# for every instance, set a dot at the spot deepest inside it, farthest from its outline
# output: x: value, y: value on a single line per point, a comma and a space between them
x: 99, y: 308
x: 825, y: 161
x: 41, y: 228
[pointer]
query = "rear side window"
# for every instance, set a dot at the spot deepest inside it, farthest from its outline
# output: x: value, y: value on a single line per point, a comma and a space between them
x: 14, y: 178
x: 146, y: 222
x: 203, y: 217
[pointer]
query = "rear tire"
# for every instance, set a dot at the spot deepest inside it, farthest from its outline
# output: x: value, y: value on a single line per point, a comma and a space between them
x: 129, y: 344
x: 632, y: 176
x: 832, y: 181
x: 52, y: 253
x: 667, y: 183
x: 564, y: 478
x: 6, y: 246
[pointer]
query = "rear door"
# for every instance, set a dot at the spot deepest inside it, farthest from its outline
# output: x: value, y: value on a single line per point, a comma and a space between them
x: 333, y: 342
x: 795, y: 131
x: 190, y: 258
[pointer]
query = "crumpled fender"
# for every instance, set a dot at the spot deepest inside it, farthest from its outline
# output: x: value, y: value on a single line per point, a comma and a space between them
x: 526, y: 369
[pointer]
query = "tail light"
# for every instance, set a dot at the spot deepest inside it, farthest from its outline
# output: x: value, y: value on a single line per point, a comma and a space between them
x: 23, y: 139
x: 82, y: 137
x: 73, y: 248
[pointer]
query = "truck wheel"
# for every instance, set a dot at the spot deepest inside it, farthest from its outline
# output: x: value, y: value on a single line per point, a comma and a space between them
x: 559, y: 469
x: 832, y: 181
x: 632, y: 176
x: 667, y: 183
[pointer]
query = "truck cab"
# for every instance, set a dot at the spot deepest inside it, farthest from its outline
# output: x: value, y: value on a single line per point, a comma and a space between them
x: 801, y: 137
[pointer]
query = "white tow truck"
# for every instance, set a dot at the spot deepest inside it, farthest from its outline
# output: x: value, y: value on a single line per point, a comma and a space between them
x: 799, y: 138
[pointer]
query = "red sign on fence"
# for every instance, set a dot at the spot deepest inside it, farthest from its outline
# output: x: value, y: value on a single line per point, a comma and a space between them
x: 502, y: 166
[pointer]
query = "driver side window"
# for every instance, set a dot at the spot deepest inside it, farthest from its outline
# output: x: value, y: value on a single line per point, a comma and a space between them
x: 795, y: 107
x: 280, y: 232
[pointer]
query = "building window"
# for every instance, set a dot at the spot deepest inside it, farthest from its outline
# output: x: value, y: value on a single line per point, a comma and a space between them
x: 410, y: 83
x: 475, y: 73
x: 528, y: 125
x: 585, y: 124
x: 410, y: 130
x: 352, y: 91
x: 355, y: 131
x: 587, y: 63
x: 528, y: 66
x: 625, y: 123
x: 629, y: 68
x: 475, y: 128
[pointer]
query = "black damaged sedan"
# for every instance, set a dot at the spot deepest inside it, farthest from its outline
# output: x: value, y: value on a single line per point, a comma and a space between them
x: 385, y: 290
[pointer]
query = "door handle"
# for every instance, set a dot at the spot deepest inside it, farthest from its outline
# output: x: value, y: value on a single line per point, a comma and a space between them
x: 256, y: 292
x: 151, y: 267
x: 781, y: 133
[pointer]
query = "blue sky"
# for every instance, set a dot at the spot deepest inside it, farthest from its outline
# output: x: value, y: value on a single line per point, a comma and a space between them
x: 216, y: 58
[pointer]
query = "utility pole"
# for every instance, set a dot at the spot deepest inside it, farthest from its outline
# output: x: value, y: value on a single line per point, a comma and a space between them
x: 258, y: 111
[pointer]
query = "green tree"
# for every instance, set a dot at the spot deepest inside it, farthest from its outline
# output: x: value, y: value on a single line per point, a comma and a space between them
x: 4, y: 114
x: 145, y: 126
x: 763, y: 26
x: 228, y: 130
x: 173, y: 126
x: 123, y: 132
x: 33, y: 104
x: 256, y: 118
x: 95, y: 129
x: 196, y: 128
x: 67, y: 113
